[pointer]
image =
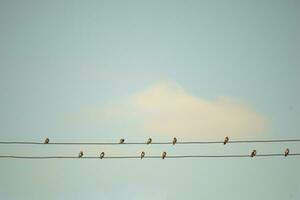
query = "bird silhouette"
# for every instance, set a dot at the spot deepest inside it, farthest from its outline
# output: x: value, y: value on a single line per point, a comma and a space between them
x: 46, y: 141
x: 142, y: 155
x: 122, y: 141
x: 80, y: 154
x: 226, y: 140
x: 174, y: 141
x: 164, y: 154
x: 253, y: 153
x: 149, y: 141
x: 102, y: 155
x: 286, y: 152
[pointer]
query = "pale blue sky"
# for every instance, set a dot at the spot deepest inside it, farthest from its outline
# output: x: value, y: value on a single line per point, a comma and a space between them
x: 61, y: 58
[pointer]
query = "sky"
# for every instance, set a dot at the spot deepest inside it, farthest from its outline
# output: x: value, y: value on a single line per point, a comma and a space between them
x: 104, y: 70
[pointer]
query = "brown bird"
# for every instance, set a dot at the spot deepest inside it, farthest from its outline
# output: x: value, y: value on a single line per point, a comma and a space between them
x: 226, y: 140
x: 142, y: 155
x: 286, y: 152
x: 149, y: 141
x: 102, y: 155
x: 122, y: 141
x: 174, y: 141
x: 253, y: 153
x: 46, y: 141
x: 164, y: 154
x: 80, y: 154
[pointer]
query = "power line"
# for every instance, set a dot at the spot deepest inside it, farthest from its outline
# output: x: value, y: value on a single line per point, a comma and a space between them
x: 143, y: 143
x: 146, y: 157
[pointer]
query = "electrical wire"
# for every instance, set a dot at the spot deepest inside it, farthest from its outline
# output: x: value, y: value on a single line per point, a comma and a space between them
x: 143, y: 143
x: 150, y: 157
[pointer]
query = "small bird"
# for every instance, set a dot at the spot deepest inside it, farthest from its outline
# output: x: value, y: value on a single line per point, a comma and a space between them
x: 226, y: 140
x: 102, y: 155
x: 286, y: 152
x: 164, y: 154
x: 122, y: 141
x: 174, y: 141
x: 149, y: 141
x: 142, y: 155
x: 46, y: 141
x: 253, y: 153
x: 80, y: 154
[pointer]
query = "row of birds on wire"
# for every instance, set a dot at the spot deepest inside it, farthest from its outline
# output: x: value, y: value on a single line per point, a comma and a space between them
x: 149, y: 141
x: 164, y: 154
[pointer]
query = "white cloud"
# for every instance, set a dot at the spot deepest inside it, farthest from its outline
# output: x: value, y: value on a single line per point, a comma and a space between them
x: 167, y: 109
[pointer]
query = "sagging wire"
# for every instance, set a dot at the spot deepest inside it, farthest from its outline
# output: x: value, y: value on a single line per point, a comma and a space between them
x: 148, y: 142
x: 163, y: 156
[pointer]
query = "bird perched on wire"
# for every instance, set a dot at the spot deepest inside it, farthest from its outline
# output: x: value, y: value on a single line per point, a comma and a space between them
x: 46, y: 141
x: 286, y: 152
x: 142, y: 155
x: 226, y: 140
x: 80, y: 154
x: 164, y: 154
x: 149, y: 141
x: 101, y: 155
x: 253, y: 153
x: 122, y: 141
x: 174, y: 141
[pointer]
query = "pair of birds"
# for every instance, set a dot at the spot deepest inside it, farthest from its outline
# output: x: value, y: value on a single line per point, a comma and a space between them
x: 163, y: 156
x: 174, y: 141
x: 80, y: 155
x: 286, y: 152
x: 122, y: 141
x: 47, y: 140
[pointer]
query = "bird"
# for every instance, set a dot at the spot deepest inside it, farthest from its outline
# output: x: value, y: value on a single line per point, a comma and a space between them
x: 164, y: 154
x: 286, y: 152
x: 102, y: 155
x: 149, y: 141
x: 46, y: 141
x: 174, y: 141
x: 142, y: 155
x: 226, y: 140
x: 80, y: 154
x: 122, y: 141
x: 253, y: 153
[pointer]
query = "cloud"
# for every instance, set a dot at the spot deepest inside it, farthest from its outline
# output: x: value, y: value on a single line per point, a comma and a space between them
x: 167, y: 109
